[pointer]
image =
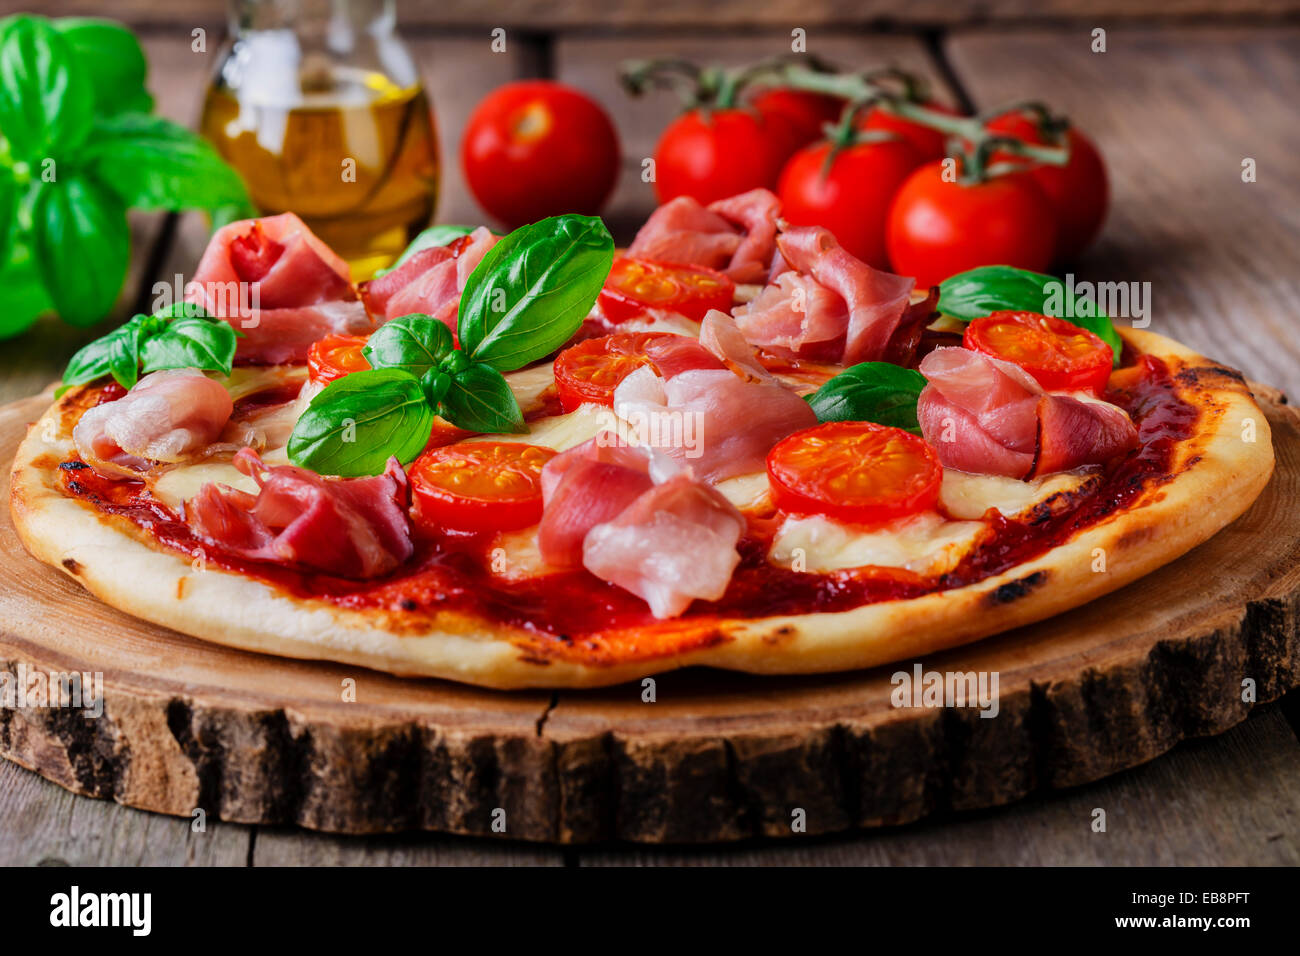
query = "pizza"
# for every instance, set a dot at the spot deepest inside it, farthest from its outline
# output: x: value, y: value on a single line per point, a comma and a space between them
x: 534, y: 460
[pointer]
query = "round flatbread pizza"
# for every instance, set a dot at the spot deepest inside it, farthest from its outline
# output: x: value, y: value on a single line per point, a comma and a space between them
x: 524, y: 461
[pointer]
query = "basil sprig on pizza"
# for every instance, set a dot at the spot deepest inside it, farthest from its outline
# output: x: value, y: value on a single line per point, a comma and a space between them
x: 526, y: 298
x: 507, y: 461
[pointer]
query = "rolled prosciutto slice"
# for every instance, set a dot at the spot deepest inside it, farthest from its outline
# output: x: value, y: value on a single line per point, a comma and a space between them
x: 736, y: 235
x: 349, y: 527
x: 988, y: 416
x: 167, y: 417
x: 829, y: 305
x: 278, y: 285
x: 430, y: 282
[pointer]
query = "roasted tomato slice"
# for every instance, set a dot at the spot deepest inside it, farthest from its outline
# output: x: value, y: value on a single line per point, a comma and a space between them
x: 591, y: 370
x: 335, y: 356
x: 635, y: 285
x: 858, y: 472
x: 480, y: 485
x: 1058, y: 354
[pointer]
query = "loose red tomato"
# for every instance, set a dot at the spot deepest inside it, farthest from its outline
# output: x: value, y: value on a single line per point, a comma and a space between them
x: 536, y: 149
x: 859, y: 472
x: 852, y: 197
x: 806, y: 114
x: 938, y: 228
x: 929, y: 143
x: 1079, y: 190
x: 480, y: 486
x: 635, y: 285
x: 591, y: 370
x: 713, y: 155
x: 334, y: 356
x: 1057, y: 353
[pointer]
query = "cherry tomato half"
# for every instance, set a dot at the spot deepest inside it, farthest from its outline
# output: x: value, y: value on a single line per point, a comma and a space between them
x: 852, y: 196
x: 713, y: 155
x: 536, y: 149
x: 591, y: 370
x: 1057, y: 353
x: 858, y: 472
x: 938, y: 227
x: 334, y: 356
x: 635, y: 285
x: 480, y: 486
x: 929, y: 143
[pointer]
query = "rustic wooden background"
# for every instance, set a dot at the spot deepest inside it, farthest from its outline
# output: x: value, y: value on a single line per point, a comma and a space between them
x: 1186, y: 90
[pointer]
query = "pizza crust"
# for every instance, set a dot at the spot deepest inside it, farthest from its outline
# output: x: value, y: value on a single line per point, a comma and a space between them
x: 1217, y: 475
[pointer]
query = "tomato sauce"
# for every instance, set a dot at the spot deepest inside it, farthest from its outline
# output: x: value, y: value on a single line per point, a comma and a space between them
x: 575, y: 614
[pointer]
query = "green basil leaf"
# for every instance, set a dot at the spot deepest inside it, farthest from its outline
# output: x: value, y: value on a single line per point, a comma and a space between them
x: 207, y: 344
x: 428, y: 239
x: 82, y: 246
x: 124, y: 355
x: 479, y: 400
x: 46, y: 102
x: 359, y: 421
x: 871, y: 392
x: 153, y: 163
x: 989, y: 289
x: 533, y: 289
x: 95, y: 359
x: 414, y: 343
x: 25, y: 298
x: 8, y: 211
x: 114, y: 61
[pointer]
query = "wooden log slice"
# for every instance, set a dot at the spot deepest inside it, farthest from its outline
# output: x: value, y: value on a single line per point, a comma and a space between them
x: 715, y: 756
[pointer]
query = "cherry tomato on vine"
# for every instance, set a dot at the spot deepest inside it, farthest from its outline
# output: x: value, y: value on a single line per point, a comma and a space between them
x: 710, y: 155
x: 480, y: 486
x: 1079, y: 190
x: 806, y: 113
x: 1058, y: 354
x: 334, y: 356
x: 535, y: 149
x: 929, y: 143
x: 854, y: 471
x: 852, y: 196
x: 938, y: 228
x: 591, y: 370
x: 635, y: 285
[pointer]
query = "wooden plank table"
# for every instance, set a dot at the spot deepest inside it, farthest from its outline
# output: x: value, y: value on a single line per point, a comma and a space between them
x: 1175, y: 111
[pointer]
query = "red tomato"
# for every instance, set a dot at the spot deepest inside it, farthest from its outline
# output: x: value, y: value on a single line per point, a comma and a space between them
x: 253, y: 253
x: 334, y: 356
x: 805, y: 113
x: 859, y: 472
x: 591, y: 370
x: 1057, y: 353
x: 480, y: 486
x: 929, y: 143
x: 536, y: 149
x: 853, y: 197
x: 938, y: 228
x: 1079, y: 190
x: 713, y: 155
x: 635, y: 285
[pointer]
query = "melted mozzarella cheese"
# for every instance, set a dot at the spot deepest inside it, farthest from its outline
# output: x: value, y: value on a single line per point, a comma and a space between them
x: 562, y: 432
x: 177, y: 485
x: 516, y: 556
x: 530, y: 385
x: 244, y: 380
x: 926, y: 543
x: 964, y: 495
x: 746, y: 492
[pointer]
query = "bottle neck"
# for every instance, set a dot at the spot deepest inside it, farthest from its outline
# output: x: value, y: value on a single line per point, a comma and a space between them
x: 325, y: 20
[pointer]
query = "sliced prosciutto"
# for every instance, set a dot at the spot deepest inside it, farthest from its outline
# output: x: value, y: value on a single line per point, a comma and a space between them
x: 988, y: 416
x: 724, y: 340
x: 736, y: 235
x: 349, y: 527
x: 431, y: 281
x: 279, y: 286
x: 167, y: 417
x: 831, y: 306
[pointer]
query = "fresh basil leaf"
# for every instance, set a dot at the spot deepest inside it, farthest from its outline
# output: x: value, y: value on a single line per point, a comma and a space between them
x: 114, y: 61
x: 153, y: 163
x: 479, y: 400
x: 989, y: 289
x: 95, y: 359
x: 82, y: 246
x: 25, y: 298
x: 871, y: 392
x: 46, y: 102
x: 207, y: 344
x: 414, y: 343
x: 428, y: 239
x: 533, y: 289
x: 8, y: 211
x: 359, y: 421
x: 124, y: 355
